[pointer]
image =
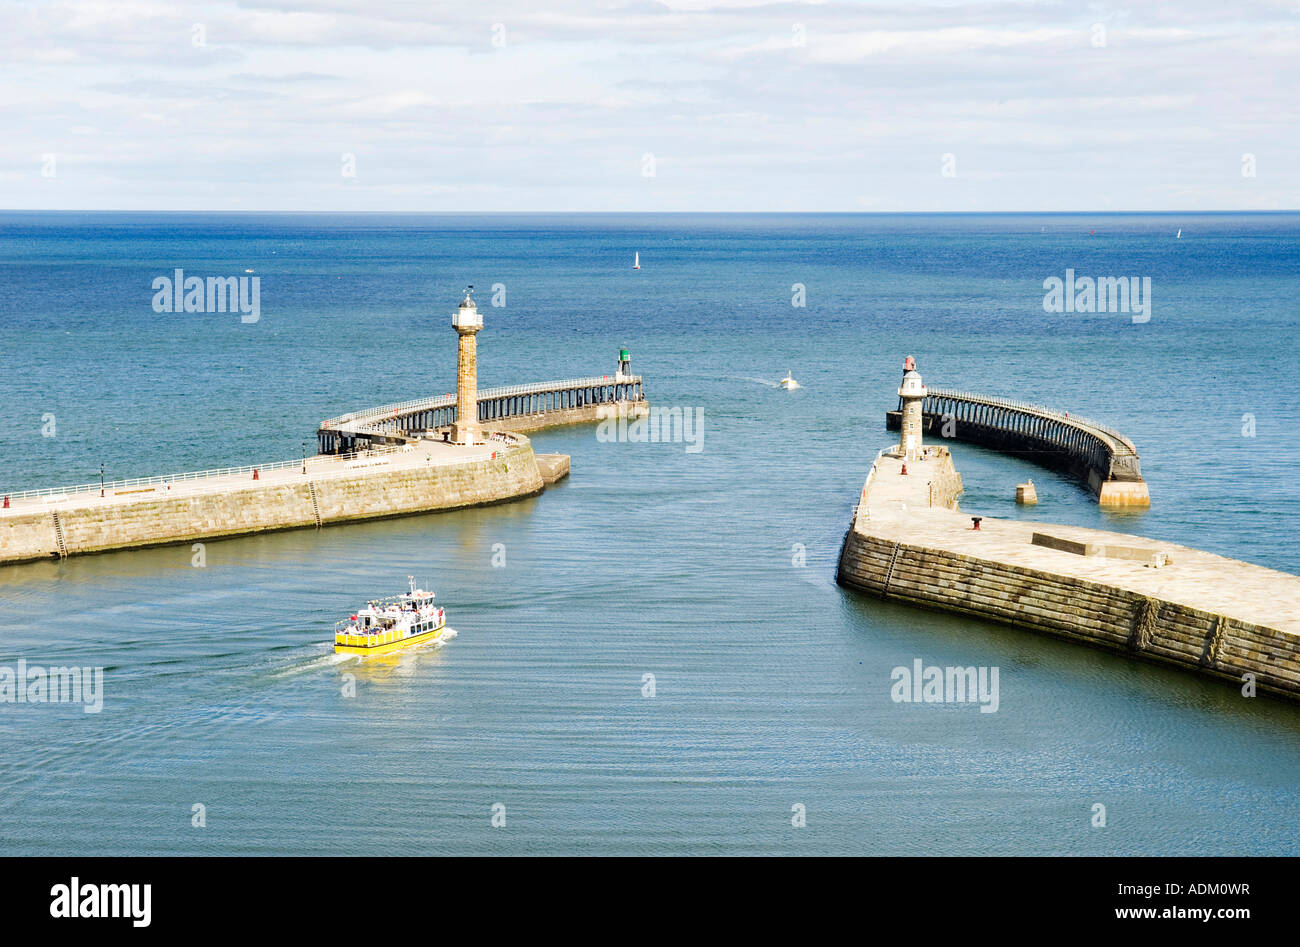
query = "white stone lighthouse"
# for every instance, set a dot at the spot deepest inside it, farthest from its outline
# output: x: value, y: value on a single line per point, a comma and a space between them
x: 466, y: 321
x: 912, y: 394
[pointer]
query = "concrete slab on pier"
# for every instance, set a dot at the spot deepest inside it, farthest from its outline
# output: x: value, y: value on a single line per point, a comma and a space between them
x: 553, y: 467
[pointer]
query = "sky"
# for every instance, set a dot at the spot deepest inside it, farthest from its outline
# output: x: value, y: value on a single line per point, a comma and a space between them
x: 686, y: 105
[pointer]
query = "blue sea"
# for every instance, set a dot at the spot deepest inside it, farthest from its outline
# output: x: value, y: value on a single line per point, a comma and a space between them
x: 708, y: 575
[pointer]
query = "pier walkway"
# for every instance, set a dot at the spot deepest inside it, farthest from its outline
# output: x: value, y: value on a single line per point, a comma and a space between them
x: 193, y: 483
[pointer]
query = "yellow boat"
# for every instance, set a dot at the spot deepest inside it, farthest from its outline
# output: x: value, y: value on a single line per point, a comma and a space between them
x: 388, y: 625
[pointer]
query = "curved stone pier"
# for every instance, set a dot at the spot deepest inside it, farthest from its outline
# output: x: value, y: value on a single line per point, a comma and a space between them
x: 1098, y: 455
x: 515, y: 408
x: 1140, y: 597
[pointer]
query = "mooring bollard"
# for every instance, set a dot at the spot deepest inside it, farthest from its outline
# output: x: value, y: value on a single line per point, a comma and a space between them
x: 254, y: 473
x: 976, y: 521
x: 6, y: 501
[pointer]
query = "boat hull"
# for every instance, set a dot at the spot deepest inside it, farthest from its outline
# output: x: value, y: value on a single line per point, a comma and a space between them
x: 384, y: 644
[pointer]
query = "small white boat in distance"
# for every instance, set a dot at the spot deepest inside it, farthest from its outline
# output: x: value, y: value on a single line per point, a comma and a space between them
x: 788, y: 382
x: 636, y: 264
x: 1179, y: 235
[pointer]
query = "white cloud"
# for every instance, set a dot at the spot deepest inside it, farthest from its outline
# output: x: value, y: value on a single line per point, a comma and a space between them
x: 855, y: 47
x: 739, y: 115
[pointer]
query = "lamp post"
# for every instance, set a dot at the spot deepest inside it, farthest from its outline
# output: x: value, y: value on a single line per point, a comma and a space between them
x: 304, y: 458
x: 101, y: 480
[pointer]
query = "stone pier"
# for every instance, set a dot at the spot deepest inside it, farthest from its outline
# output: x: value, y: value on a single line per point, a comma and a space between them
x: 312, y: 493
x: 516, y: 408
x: 1140, y: 597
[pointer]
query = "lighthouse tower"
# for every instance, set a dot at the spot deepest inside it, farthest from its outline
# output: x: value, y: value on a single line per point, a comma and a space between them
x: 911, y: 394
x: 466, y: 321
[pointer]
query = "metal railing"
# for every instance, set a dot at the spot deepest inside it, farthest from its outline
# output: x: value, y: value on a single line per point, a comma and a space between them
x: 485, y: 394
x: 139, y: 482
x: 1123, y: 444
x: 862, y: 504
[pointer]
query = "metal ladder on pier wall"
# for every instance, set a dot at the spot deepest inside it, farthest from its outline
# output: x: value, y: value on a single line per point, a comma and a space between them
x: 890, y: 574
x: 315, y: 504
x: 58, y: 535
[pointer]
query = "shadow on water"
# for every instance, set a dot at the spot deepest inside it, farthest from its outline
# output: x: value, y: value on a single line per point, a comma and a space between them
x: 331, y: 543
x: 1058, y: 670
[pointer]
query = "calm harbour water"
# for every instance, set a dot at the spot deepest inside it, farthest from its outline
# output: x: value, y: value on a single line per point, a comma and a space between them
x: 772, y: 685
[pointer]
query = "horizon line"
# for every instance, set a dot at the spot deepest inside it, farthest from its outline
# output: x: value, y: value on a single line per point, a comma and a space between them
x: 650, y: 213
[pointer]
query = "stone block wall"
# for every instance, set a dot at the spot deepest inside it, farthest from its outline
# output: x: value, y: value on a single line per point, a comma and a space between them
x: 366, y: 493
